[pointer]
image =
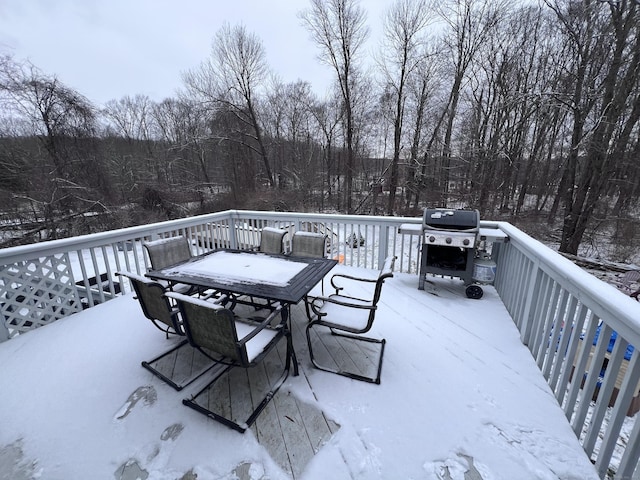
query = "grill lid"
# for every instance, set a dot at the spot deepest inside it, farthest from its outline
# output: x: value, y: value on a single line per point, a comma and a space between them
x: 451, y: 219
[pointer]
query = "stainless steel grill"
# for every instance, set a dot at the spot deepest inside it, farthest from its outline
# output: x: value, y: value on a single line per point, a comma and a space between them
x: 449, y: 240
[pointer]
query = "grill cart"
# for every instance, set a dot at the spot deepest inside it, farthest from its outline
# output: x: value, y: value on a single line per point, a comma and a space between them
x: 454, y: 245
x: 449, y: 239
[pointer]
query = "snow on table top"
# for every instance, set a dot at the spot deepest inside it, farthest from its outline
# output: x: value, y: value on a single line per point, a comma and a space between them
x: 242, y: 268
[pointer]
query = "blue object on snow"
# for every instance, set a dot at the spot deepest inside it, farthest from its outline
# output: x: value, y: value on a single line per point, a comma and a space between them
x: 612, y: 341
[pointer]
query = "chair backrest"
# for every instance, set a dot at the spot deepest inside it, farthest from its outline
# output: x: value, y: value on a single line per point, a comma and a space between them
x: 150, y: 294
x: 630, y: 277
x: 210, y: 326
x: 168, y: 251
x: 309, y: 244
x: 271, y: 240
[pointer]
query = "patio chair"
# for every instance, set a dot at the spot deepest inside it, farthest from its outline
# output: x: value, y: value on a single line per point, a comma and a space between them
x: 348, y: 316
x: 215, y: 330
x: 629, y: 279
x: 309, y: 244
x: 271, y: 240
x: 170, y: 251
x: 157, y: 308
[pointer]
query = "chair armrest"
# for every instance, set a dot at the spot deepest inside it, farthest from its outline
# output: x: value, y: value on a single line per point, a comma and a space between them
x: 204, y: 300
x: 263, y: 324
x: 349, y: 277
x: 345, y: 301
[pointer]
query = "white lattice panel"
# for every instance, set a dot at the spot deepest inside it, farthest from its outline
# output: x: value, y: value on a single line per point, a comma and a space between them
x: 37, y: 292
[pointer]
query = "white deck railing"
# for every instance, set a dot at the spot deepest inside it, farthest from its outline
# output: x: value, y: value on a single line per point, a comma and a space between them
x: 43, y: 282
x: 556, y: 306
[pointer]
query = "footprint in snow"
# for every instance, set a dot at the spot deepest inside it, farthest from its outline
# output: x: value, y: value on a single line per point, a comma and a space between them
x: 147, y: 394
x: 172, y: 432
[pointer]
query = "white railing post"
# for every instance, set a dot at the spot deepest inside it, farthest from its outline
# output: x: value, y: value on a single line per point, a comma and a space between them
x: 233, y: 238
x: 383, y: 245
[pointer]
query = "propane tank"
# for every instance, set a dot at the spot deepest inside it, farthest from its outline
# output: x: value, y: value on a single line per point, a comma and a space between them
x: 484, y: 270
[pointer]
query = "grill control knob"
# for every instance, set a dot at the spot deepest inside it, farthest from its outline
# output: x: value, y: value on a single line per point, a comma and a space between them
x: 465, y: 241
x: 448, y: 240
x: 432, y: 239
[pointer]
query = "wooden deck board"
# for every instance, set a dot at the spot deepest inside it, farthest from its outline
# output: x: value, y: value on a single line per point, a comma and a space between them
x: 166, y: 364
x: 182, y: 364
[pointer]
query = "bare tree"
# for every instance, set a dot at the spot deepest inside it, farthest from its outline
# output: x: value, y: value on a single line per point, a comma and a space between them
x: 289, y: 119
x: 338, y: 27
x: 185, y: 126
x: 504, y: 79
x: 608, y: 62
x: 130, y: 116
x: 55, y: 111
x: 69, y: 179
x: 403, y: 25
x: 230, y: 79
x: 470, y: 24
x: 328, y: 116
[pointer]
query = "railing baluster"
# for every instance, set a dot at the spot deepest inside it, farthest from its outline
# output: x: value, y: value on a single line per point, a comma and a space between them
x: 540, y: 312
x: 572, y: 348
x: 629, y: 461
x: 547, y: 324
x: 591, y: 381
x: 557, y: 320
x: 627, y: 390
x: 530, y: 304
x: 604, y: 393
x: 563, y: 342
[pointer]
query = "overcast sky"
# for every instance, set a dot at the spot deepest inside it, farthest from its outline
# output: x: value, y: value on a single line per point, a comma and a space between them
x: 107, y: 49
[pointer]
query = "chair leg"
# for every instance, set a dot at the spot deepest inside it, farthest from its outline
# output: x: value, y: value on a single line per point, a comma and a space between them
x: 291, y: 352
x: 177, y: 386
x: 357, y: 338
x: 243, y: 426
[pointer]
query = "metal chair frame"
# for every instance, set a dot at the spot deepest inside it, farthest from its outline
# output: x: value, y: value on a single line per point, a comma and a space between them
x: 369, y: 305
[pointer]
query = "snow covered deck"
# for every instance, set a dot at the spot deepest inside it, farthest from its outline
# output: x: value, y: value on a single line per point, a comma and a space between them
x: 461, y: 397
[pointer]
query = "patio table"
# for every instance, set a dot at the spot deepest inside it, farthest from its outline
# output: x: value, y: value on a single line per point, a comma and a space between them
x: 281, y: 278
x: 274, y: 277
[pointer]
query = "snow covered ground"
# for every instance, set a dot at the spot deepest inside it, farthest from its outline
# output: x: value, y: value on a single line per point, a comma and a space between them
x: 460, y: 395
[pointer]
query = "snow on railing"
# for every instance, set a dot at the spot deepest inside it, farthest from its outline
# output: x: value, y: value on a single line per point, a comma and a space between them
x: 579, y: 330
x: 43, y: 282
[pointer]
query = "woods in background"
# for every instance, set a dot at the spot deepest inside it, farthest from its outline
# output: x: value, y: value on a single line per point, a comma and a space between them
x: 508, y: 108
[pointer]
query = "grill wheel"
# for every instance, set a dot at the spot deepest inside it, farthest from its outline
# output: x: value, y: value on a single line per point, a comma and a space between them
x: 474, y: 291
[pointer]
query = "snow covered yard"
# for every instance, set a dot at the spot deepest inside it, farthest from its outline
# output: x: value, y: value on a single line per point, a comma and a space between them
x: 459, y: 394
